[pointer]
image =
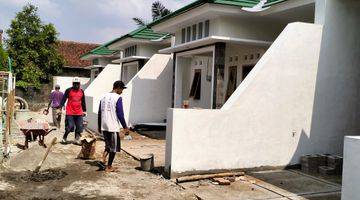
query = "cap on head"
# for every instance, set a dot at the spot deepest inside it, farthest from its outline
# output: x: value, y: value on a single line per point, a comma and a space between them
x: 119, y: 85
x: 76, y: 80
x: 57, y: 86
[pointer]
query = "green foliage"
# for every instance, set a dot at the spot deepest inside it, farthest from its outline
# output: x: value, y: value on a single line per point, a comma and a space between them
x: 3, y: 59
x: 32, y: 46
x: 158, y: 10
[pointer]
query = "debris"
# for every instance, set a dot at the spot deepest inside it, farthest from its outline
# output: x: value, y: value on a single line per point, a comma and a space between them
x: 88, y: 146
x: 127, y: 137
x: 208, y: 176
x: 45, y: 175
x: 46, y: 154
x: 222, y: 181
x: 231, y: 179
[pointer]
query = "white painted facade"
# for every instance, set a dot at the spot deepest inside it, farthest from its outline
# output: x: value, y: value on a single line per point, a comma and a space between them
x: 266, y: 122
x: 132, y: 61
x: 148, y: 93
x: 65, y: 82
x: 351, y: 172
x: 100, y: 86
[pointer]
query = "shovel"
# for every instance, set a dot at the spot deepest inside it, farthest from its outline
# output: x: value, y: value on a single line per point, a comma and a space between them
x: 46, y: 154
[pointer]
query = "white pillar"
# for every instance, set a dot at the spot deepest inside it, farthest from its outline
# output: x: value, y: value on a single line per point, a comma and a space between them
x: 351, y: 170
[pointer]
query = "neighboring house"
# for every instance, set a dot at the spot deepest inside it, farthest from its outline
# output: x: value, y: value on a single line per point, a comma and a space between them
x: 138, y: 47
x: 146, y: 73
x: 253, y: 75
x: 99, y: 58
x: 72, y: 52
x: 74, y: 66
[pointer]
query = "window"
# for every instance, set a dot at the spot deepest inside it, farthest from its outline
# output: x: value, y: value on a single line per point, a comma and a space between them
x: 246, y: 70
x: 130, y: 51
x: 183, y: 32
x: 195, y: 91
x: 188, y: 34
x: 200, y: 33
x: 95, y: 61
x: 207, y: 28
x: 194, y: 32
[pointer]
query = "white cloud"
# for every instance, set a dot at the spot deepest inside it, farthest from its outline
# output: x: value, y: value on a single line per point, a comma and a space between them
x: 88, y: 20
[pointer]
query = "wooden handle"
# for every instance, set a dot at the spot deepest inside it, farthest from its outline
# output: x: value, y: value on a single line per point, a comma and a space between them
x: 46, y: 154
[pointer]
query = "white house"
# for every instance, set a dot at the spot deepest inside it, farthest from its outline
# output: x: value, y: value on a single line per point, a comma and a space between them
x: 252, y: 68
x: 138, y: 47
x: 147, y: 75
x: 99, y: 58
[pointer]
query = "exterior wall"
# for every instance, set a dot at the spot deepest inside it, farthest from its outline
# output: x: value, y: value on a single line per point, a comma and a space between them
x: 240, y: 56
x: 336, y: 106
x: 129, y: 70
x: 100, y: 86
x: 259, y: 29
x: 80, y: 72
x: 148, y: 94
x: 351, y: 173
x: 205, y: 64
x: 267, y: 120
x: 148, y: 50
x: 65, y: 82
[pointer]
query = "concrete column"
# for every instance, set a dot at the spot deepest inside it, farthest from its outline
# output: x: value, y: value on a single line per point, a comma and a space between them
x: 218, y: 75
x: 320, y: 11
x: 336, y: 111
x: 173, y: 81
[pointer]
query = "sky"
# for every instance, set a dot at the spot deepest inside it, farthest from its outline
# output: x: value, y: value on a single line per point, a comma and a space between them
x: 91, y: 21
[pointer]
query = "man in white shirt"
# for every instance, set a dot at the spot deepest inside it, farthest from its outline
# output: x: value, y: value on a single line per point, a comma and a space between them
x: 110, y: 120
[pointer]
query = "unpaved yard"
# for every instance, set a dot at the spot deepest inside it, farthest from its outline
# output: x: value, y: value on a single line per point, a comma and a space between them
x: 65, y: 177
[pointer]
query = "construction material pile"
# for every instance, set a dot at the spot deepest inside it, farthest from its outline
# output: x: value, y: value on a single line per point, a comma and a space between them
x: 324, y: 164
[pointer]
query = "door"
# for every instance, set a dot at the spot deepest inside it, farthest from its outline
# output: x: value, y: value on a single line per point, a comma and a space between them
x: 231, y: 86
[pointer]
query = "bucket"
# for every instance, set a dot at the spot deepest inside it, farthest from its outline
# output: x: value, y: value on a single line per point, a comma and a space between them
x: 147, y: 162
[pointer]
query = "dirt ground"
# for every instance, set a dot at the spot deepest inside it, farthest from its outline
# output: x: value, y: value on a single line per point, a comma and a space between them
x: 63, y: 176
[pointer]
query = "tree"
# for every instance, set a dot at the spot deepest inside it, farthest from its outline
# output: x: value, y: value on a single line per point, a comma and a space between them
x: 158, y: 10
x: 32, y: 46
x: 3, y: 58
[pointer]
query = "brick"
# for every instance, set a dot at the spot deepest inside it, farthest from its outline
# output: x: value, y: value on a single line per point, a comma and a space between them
x: 325, y: 170
x: 222, y: 181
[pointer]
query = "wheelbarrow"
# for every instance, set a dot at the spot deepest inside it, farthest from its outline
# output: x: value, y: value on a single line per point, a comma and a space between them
x: 33, y: 129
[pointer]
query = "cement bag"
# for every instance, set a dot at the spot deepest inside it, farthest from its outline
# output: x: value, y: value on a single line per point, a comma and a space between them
x: 88, y: 147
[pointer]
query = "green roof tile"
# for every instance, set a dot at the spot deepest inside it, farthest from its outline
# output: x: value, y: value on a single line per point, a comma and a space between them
x: 100, y: 50
x: 240, y: 3
x: 144, y: 32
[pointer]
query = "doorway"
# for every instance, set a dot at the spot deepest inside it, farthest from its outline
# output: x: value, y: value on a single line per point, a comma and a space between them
x: 231, y: 86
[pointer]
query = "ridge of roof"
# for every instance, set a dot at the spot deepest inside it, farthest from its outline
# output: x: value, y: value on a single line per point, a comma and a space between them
x: 197, y: 3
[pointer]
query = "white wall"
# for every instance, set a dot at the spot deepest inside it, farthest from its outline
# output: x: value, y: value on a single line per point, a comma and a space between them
x: 149, y: 92
x: 129, y: 70
x: 203, y: 63
x: 239, y: 52
x: 65, y: 82
x: 100, y: 86
x: 337, y: 107
x: 147, y: 50
x: 266, y: 122
x: 351, y: 172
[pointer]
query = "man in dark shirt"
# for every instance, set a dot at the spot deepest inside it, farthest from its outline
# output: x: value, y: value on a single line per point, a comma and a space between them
x: 55, y: 100
x: 75, y: 110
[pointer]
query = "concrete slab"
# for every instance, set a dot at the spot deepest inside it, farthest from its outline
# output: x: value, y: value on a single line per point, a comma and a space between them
x: 138, y: 148
x: 237, y: 190
x: 288, y: 183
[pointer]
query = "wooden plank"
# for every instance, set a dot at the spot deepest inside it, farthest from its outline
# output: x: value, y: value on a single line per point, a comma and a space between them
x: 208, y: 176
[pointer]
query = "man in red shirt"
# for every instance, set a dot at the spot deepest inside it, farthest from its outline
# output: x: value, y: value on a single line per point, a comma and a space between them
x: 75, y: 110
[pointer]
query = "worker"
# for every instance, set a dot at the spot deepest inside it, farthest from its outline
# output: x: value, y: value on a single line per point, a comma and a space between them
x: 75, y: 110
x: 55, y: 100
x: 110, y: 117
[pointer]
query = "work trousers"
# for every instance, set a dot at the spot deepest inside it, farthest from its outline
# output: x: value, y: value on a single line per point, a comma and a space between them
x: 73, y: 122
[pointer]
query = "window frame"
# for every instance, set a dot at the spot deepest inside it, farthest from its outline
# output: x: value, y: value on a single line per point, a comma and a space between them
x: 195, y: 90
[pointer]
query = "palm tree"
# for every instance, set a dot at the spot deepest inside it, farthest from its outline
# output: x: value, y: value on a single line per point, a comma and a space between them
x: 158, y: 10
